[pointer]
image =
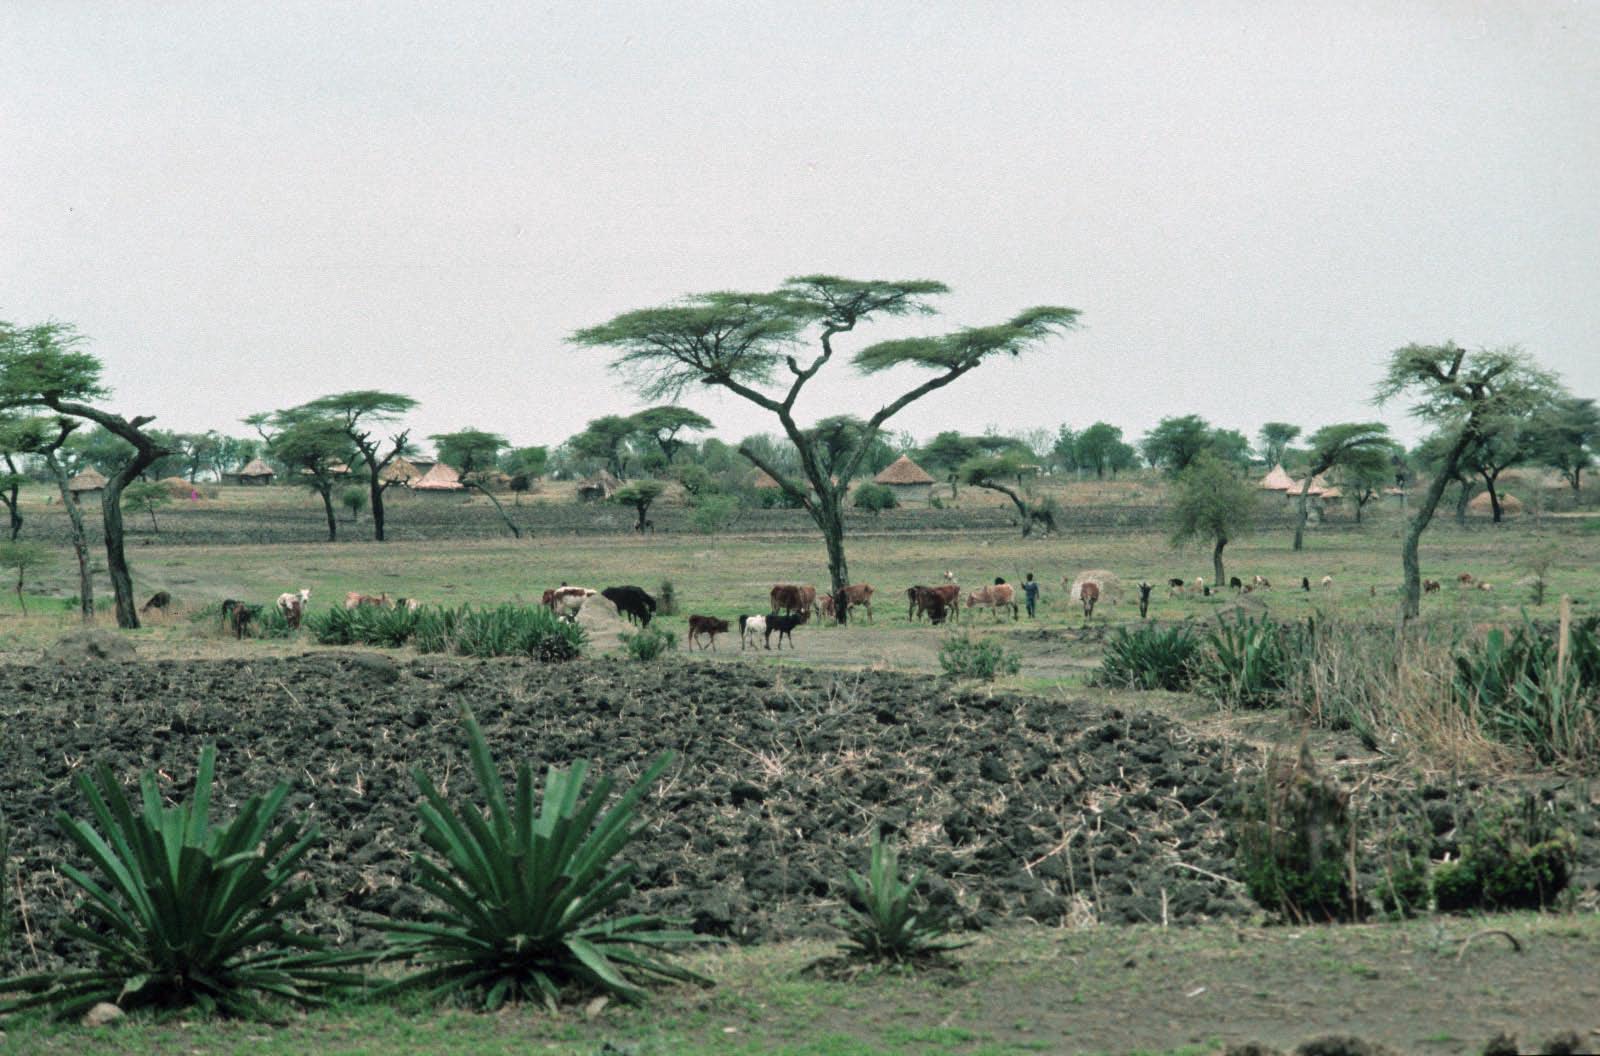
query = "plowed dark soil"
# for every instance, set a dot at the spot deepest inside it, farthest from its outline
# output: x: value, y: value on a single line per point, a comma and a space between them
x: 1017, y: 807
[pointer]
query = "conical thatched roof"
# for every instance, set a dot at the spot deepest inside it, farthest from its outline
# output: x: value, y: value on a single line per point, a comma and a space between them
x: 89, y: 480
x: 1509, y: 504
x: 256, y: 468
x: 177, y: 487
x: 440, y: 478
x: 903, y: 471
x: 400, y: 471
x: 1279, y: 480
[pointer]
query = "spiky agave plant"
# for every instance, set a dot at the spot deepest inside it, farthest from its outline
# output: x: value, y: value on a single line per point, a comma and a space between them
x: 884, y: 922
x: 188, y: 912
x: 525, y: 891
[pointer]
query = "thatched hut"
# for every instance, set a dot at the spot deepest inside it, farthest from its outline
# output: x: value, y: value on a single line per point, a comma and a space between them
x: 1279, y: 480
x: 401, y: 471
x: 256, y: 472
x: 599, y: 487
x: 909, y: 481
x: 441, y: 479
x: 89, y: 482
x: 1510, y: 505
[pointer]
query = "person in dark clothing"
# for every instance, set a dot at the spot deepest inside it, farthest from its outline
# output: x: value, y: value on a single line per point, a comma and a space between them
x: 1030, y: 593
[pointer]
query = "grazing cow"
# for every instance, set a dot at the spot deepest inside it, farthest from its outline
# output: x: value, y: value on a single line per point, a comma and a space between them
x: 1236, y: 583
x: 935, y: 601
x: 994, y: 599
x: 784, y: 625
x: 794, y: 597
x: 1090, y: 593
x: 1144, y: 599
x: 857, y: 594
x: 749, y: 627
x: 293, y: 606
x: 1465, y: 579
x: 239, y: 616
x: 159, y: 600
x: 1305, y: 583
x: 1327, y: 581
x: 1261, y: 583
x: 354, y: 599
x: 709, y: 626
x: 1428, y: 586
x: 1174, y: 586
x: 632, y: 602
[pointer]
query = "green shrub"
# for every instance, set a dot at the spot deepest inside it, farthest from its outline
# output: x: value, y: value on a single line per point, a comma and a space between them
x: 883, y: 921
x: 524, y: 892
x: 961, y: 656
x: 1513, y: 857
x: 1294, y: 837
x: 714, y: 513
x: 1149, y: 657
x: 666, y: 599
x: 1249, y: 662
x: 501, y: 630
x: 186, y: 912
x: 648, y: 643
x: 874, y: 498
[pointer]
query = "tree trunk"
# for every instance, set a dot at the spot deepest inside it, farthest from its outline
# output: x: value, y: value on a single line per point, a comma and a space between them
x: 21, y: 602
x: 116, y: 557
x: 15, y: 515
x: 515, y: 531
x: 154, y: 527
x: 1494, y: 496
x: 1016, y: 500
x: 80, y: 541
x: 327, y: 505
x: 830, y: 519
x: 1410, y: 564
x: 375, y: 495
x: 1300, y: 522
x: 1461, y: 504
x: 1216, y: 560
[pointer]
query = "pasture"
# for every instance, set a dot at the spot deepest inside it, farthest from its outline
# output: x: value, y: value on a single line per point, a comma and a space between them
x: 1081, y: 829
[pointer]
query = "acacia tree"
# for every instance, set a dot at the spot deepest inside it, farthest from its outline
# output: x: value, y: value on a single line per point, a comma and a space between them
x: 1211, y: 502
x: 1460, y: 392
x: 1503, y: 443
x: 1366, y: 475
x: 946, y: 454
x: 663, y: 424
x: 18, y: 435
x: 1566, y: 437
x: 1336, y: 446
x: 43, y: 366
x: 147, y: 496
x: 475, y: 454
x: 605, y: 440
x: 316, y: 450
x: 993, y: 471
x: 1275, y: 438
x: 359, y: 412
x: 741, y: 342
x: 525, y: 465
x: 1175, y: 442
x: 1096, y: 447
x: 640, y: 495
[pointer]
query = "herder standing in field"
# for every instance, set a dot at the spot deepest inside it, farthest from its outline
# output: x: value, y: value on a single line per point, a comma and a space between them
x: 1030, y: 592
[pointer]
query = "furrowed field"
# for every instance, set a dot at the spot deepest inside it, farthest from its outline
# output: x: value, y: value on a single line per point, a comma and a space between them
x: 1082, y: 836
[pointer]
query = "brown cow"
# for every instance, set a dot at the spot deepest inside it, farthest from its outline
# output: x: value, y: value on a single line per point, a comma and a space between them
x: 1465, y: 579
x: 936, y: 601
x: 793, y: 597
x: 1090, y: 593
x: 857, y: 594
x: 1428, y: 586
x: 994, y: 598
x: 709, y: 626
x: 354, y: 599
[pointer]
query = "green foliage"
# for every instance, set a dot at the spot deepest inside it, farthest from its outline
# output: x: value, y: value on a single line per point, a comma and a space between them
x: 23, y: 558
x: 1294, y: 834
x: 1249, y: 662
x: 648, y: 643
x: 1521, y: 695
x: 715, y: 513
x: 146, y: 496
x: 666, y: 599
x: 473, y: 453
x: 188, y: 913
x: 502, y: 630
x: 875, y: 498
x: 354, y: 500
x: 962, y: 656
x: 524, y: 892
x: 1176, y: 442
x: 884, y: 922
x: 1211, y: 503
x: 1150, y: 657
x: 1275, y: 438
x: 1514, y: 857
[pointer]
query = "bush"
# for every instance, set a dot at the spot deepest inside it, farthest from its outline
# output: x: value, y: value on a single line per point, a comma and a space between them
x: 1522, y: 694
x: 502, y: 630
x: 523, y: 892
x: 874, y: 498
x: 714, y: 513
x: 648, y: 643
x: 1149, y: 657
x: 1514, y: 857
x: 1249, y: 662
x: 1295, y: 839
x: 187, y: 912
x: 963, y: 657
x: 883, y: 923
x: 666, y: 599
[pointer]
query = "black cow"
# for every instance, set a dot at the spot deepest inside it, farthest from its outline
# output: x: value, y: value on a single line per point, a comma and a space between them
x: 784, y: 624
x: 1236, y: 583
x: 632, y: 602
x: 159, y: 600
x: 239, y: 616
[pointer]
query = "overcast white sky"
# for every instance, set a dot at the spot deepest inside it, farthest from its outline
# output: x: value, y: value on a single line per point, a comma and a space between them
x: 246, y: 206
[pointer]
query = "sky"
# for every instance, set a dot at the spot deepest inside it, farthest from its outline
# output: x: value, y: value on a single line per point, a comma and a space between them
x: 245, y: 206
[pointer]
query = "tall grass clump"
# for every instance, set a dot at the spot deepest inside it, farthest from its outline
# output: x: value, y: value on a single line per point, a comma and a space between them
x: 648, y: 643
x: 525, y: 886
x: 1296, y: 842
x: 1249, y: 663
x: 1514, y: 856
x: 501, y: 630
x: 1150, y: 657
x: 186, y: 912
x: 1537, y: 688
x: 885, y: 921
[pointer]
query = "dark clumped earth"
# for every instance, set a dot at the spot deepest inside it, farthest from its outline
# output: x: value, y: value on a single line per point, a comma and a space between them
x: 1018, y: 808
